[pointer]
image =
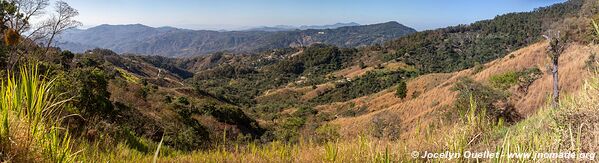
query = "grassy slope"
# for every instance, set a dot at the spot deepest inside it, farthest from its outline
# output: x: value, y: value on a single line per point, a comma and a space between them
x: 420, y: 120
x: 547, y: 130
x: 140, y: 90
x: 435, y: 96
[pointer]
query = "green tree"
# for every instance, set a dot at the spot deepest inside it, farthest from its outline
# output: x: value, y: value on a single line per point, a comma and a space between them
x: 89, y: 89
x: 402, y: 89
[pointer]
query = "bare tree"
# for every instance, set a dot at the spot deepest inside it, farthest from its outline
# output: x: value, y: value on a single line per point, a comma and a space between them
x: 26, y: 10
x: 63, y: 20
x: 557, y: 44
x: 18, y: 22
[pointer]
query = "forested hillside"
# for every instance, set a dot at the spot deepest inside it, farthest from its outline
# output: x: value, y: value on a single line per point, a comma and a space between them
x: 167, y: 41
x: 458, y: 47
x: 372, y: 93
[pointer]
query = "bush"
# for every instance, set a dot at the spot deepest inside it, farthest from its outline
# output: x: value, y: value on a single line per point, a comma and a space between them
x: 89, y: 87
x: 371, y: 82
x: 168, y: 99
x: 511, y: 78
x: 289, y: 130
x: 327, y: 133
x: 402, y: 89
x: 590, y: 63
x: 182, y: 100
x: 505, y: 80
x: 305, y: 111
x: 494, y: 101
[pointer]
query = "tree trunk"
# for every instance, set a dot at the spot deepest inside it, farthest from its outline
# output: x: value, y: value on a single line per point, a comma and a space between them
x: 555, y: 84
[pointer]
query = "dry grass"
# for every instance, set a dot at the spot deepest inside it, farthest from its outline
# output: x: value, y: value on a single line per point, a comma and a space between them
x: 435, y: 95
x: 570, y: 128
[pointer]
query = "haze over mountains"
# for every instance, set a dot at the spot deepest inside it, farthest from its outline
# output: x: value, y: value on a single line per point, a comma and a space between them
x: 303, y: 27
x: 173, y: 42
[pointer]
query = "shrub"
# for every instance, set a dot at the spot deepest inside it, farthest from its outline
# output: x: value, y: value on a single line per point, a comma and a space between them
x: 305, y: 111
x: 590, y: 63
x: 371, y: 82
x: 183, y: 100
x: 385, y: 126
x: 168, y: 99
x: 402, y: 89
x: 289, y: 130
x: 327, y: 133
x: 93, y: 92
x: 505, y: 80
x: 494, y: 101
x: 352, y: 112
x: 477, y: 68
x: 508, y: 79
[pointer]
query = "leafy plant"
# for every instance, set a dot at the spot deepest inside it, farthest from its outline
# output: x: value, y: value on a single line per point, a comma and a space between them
x: 331, y: 151
x: 29, y: 119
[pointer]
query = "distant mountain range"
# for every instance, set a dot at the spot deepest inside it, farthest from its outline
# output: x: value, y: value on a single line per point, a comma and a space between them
x: 303, y: 27
x: 173, y: 42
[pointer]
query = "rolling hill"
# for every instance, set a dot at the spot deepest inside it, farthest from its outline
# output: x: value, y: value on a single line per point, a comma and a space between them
x: 371, y: 93
x: 172, y: 42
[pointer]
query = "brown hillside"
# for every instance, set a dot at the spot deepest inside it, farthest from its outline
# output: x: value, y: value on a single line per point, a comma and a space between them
x: 431, y: 94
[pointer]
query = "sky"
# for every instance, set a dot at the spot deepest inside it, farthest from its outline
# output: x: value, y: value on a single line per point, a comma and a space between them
x: 239, y: 14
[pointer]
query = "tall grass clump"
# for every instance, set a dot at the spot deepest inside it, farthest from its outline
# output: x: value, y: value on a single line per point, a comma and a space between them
x: 30, y: 120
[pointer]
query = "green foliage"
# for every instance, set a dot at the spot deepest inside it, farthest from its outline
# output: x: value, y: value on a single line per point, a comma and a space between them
x: 505, y: 80
x: 88, y: 87
x: 483, y: 95
x: 193, y: 136
x: 459, y: 47
x: 135, y: 142
x: 371, y: 82
x: 352, y: 112
x: 241, y: 82
x: 289, y: 130
x: 493, y: 102
x: 168, y: 99
x: 305, y: 111
x: 197, y: 136
x: 510, y: 78
x: 327, y: 133
x: 331, y: 151
x: 402, y: 89
x: 183, y: 100
x: 478, y: 68
x: 65, y: 58
x: 29, y: 115
x: 129, y: 77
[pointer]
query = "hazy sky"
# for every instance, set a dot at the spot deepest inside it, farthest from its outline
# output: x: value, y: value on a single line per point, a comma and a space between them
x: 232, y: 14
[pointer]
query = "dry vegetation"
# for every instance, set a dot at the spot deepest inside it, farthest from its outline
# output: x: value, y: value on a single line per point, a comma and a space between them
x: 548, y: 130
x: 435, y: 94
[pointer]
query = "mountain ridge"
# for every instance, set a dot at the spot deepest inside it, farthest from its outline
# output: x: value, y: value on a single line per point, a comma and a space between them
x: 173, y: 42
x: 278, y: 28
